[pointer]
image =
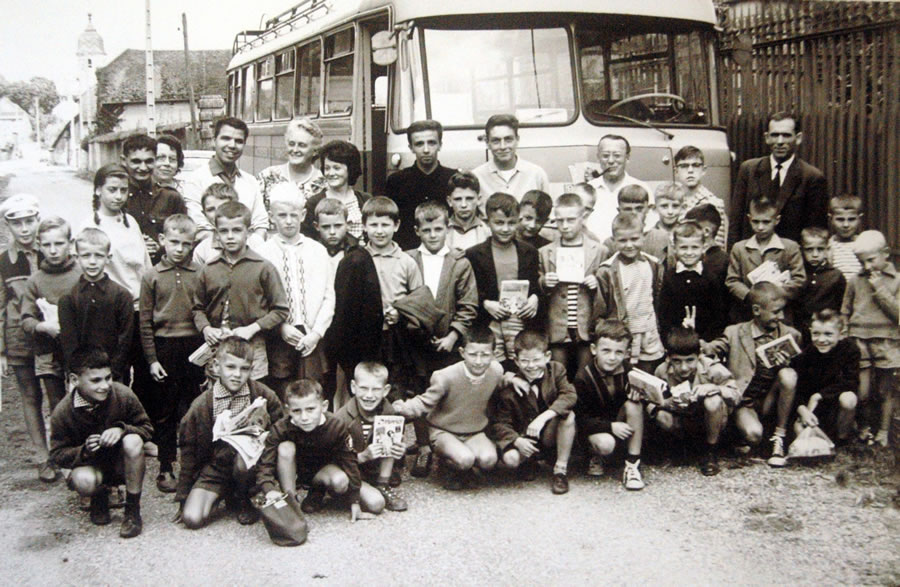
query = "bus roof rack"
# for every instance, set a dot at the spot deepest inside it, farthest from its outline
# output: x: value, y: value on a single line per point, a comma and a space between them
x: 300, y: 14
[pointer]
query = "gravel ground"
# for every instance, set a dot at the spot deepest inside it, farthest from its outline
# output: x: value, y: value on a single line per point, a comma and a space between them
x: 834, y: 524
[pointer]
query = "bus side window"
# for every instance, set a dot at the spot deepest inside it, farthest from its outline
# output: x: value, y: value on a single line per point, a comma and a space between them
x: 338, y: 61
x: 309, y: 78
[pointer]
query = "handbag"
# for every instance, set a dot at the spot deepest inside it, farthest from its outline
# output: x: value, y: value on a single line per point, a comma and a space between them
x: 283, y: 520
x: 811, y: 443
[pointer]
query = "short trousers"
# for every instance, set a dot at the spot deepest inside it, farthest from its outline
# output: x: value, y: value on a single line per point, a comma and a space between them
x: 218, y: 474
x: 881, y: 353
x: 109, y: 461
x: 286, y: 362
x: 48, y: 365
x: 435, y: 433
x: 647, y: 346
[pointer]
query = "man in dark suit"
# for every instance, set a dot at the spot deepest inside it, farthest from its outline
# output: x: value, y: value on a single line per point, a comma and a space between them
x: 797, y: 188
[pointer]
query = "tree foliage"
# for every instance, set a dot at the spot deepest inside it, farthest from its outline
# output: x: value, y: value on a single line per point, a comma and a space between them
x: 23, y: 93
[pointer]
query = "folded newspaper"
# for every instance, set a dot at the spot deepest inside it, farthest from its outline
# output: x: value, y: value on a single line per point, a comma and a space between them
x: 785, y: 344
x: 651, y: 388
x: 246, y: 431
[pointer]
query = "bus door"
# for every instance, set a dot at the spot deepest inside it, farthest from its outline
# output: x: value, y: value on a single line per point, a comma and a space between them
x: 372, y: 136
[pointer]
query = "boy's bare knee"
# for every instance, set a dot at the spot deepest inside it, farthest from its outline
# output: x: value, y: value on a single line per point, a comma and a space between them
x: 847, y: 400
x: 787, y: 379
x: 339, y: 483
x: 193, y: 519
x: 713, y: 404
x: 665, y: 420
x: 753, y: 433
x: 85, y: 480
x: 132, y: 445
x: 287, y: 450
x: 487, y: 460
x: 602, y: 443
x: 463, y: 461
x: 568, y: 423
x: 512, y: 458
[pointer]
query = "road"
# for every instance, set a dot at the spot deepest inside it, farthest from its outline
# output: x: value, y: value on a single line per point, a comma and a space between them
x: 749, y: 525
x: 59, y: 190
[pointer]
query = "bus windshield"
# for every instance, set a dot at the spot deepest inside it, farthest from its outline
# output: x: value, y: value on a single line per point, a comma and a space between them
x: 625, y: 78
x: 652, y: 77
x: 473, y: 74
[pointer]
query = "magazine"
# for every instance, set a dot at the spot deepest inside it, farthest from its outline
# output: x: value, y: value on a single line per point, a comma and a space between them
x: 202, y: 355
x: 513, y: 294
x: 246, y: 431
x: 768, y: 271
x: 786, y: 344
x: 651, y: 388
x: 570, y: 264
x: 387, y: 430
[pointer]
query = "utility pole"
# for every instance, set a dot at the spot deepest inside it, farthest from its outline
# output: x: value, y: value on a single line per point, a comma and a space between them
x: 151, y: 87
x: 37, y: 120
x: 190, y: 81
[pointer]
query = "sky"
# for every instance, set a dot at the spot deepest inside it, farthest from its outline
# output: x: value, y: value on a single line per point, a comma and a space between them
x: 40, y: 37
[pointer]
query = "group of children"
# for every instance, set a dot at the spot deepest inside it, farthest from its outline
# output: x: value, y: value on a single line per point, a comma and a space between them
x: 331, y: 333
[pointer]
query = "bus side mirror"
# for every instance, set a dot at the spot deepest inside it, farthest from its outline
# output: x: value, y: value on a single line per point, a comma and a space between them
x: 384, y: 48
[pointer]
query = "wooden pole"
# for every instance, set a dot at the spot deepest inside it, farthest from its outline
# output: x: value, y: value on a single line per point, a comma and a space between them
x: 192, y: 139
x: 151, y: 86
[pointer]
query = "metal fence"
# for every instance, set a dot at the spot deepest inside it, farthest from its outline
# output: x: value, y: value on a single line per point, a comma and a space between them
x: 837, y: 65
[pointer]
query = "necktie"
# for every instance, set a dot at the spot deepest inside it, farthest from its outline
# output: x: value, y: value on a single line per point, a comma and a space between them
x: 776, y: 179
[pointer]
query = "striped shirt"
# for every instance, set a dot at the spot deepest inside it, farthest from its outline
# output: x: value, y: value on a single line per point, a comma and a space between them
x: 637, y: 285
x: 842, y: 257
x: 572, y: 294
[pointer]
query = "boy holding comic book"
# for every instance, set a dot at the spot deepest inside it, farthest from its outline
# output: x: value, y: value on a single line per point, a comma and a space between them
x: 501, y: 259
x: 703, y: 393
x: 763, y: 257
x: 569, y: 284
x: 370, y: 388
x: 764, y: 379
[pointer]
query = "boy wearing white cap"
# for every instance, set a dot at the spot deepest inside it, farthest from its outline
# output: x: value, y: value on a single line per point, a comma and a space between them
x: 17, y: 263
x: 308, y: 279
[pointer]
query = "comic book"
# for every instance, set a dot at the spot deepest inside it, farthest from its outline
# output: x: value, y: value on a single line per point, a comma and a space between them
x: 246, y: 431
x: 387, y: 430
x: 786, y: 343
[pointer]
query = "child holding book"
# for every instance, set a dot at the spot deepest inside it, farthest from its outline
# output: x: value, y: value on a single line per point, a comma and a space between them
x: 764, y: 388
x: 56, y: 277
x: 96, y: 311
x: 608, y: 413
x: 239, y: 292
x: 98, y: 431
x: 212, y: 469
x: 570, y: 297
x: 827, y: 378
x: 870, y: 307
x: 169, y: 337
x: 504, y: 259
x: 17, y: 263
x: 627, y: 287
x: 370, y: 388
x: 456, y: 406
x: 534, y: 414
x: 466, y: 228
x: 311, y: 447
x: 764, y: 247
x: 709, y: 394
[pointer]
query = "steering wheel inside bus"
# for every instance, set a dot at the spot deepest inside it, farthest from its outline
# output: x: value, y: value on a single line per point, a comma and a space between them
x: 677, y: 104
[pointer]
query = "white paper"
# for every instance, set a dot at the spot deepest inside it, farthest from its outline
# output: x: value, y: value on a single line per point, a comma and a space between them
x: 570, y: 264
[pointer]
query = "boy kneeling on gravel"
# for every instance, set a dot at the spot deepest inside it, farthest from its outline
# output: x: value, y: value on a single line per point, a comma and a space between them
x: 98, y: 431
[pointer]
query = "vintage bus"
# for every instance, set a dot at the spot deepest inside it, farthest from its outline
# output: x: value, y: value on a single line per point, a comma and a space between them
x: 570, y: 70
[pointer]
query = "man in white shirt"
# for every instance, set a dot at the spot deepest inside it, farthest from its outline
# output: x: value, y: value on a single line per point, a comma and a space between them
x: 613, y: 152
x: 505, y: 171
x: 231, y: 136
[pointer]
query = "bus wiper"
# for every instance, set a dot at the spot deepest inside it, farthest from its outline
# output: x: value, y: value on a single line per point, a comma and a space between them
x: 669, y: 136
